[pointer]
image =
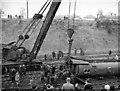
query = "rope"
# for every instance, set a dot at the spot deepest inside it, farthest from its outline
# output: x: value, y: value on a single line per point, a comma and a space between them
x: 74, y: 15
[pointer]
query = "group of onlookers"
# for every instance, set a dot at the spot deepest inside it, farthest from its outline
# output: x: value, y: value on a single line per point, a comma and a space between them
x: 50, y: 76
x: 16, y: 16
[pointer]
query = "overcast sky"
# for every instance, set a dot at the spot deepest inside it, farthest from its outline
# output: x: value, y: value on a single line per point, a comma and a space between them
x: 83, y: 7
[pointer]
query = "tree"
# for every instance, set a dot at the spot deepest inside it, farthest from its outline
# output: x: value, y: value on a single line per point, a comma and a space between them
x: 1, y: 12
x: 100, y: 13
x: 22, y: 12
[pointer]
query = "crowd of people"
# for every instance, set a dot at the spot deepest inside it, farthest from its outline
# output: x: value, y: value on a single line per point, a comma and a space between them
x: 16, y: 74
x: 51, y: 77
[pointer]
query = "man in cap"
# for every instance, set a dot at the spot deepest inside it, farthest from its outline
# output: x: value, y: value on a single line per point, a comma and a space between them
x: 88, y: 86
x: 107, y: 86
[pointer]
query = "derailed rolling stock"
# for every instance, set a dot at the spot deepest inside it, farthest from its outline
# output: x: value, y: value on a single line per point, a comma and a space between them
x: 103, y: 69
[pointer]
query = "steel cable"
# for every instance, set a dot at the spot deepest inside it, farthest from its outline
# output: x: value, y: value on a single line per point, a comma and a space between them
x: 32, y: 22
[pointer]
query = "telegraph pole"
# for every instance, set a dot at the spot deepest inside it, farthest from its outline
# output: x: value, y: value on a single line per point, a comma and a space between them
x: 27, y: 9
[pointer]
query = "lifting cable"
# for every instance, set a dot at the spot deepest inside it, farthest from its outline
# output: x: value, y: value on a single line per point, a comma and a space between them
x: 39, y: 20
x: 34, y: 19
x: 34, y: 27
x: 43, y: 6
x: 46, y: 6
x: 38, y: 13
x: 74, y: 15
x: 69, y: 14
x: 32, y: 22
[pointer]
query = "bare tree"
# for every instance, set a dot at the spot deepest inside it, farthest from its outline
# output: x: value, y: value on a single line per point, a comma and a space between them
x: 100, y: 13
x: 1, y: 12
x: 22, y: 12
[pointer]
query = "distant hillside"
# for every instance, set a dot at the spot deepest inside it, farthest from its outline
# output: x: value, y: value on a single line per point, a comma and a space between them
x: 86, y: 36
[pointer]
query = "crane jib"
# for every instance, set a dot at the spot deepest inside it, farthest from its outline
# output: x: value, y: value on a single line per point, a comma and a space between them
x: 44, y: 29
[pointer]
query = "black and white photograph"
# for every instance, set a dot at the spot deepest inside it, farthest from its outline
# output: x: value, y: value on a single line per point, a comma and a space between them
x: 59, y: 45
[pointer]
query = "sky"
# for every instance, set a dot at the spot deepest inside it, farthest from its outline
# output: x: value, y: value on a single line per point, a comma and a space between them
x: 83, y: 7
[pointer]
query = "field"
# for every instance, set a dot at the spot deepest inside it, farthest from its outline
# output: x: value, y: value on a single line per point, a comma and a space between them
x: 87, y: 36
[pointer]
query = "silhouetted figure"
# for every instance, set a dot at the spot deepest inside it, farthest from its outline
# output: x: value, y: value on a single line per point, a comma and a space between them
x: 60, y: 55
x: 72, y: 79
x: 22, y: 70
x: 112, y: 88
x: 53, y: 69
x: 12, y: 74
x: 19, y: 17
x: 45, y: 57
x: 17, y: 78
x: 61, y: 67
x: 75, y: 51
x: 116, y: 57
x: 53, y: 55
x: 81, y: 51
x: 8, y: 16
x: 110, y: 52
x: 16, y: 16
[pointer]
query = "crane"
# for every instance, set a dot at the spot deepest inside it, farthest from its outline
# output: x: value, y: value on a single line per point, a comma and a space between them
x: 44, y: 29
x: 13, y: 51
x: 79, y: 68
